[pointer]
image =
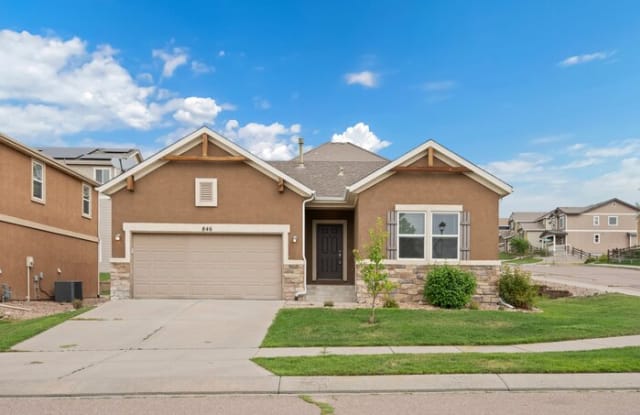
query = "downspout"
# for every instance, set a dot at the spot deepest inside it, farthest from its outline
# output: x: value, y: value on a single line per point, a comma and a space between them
x: 304, y: 244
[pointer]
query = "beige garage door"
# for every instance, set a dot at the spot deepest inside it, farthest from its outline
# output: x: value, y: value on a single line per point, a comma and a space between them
x: 207, y: 266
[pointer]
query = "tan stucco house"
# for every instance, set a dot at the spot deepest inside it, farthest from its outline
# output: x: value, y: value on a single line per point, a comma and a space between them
x: 48, y: 223
x: 100, y: 165
x: 204, y: 218
x: 526, y: 225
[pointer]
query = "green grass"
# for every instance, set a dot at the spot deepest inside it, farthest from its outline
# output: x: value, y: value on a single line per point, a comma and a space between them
x: 595, y: 361
x: 13, y: 332
x: 506, y: 256
x: 524, y: 260
x: 105, y: 276
x: 562, y: 319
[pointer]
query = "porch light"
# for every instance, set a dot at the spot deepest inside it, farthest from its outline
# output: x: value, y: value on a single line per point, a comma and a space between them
x: 117, y: 238
x: 294, y: 239
x: 441, y: 226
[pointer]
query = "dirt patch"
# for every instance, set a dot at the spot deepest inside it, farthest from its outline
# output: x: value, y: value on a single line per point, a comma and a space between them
x: 40, y: 308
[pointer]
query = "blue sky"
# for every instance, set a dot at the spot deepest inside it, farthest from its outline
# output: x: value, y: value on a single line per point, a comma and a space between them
x: 543, y: 94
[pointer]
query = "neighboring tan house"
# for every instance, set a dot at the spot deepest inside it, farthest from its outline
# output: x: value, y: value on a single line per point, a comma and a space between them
x: 525, y: 225
x: 48, y: 223
x: 204, y: 218
x: 101, y: 165
x: 594, y: 229
x: 503, y: 234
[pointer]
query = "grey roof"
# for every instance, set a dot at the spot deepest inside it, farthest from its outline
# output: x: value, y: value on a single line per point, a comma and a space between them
x: 526, y: 216
x: 331, y: 167
x: 87, y: 153
x: 532, y: 226
x: 573, y: 210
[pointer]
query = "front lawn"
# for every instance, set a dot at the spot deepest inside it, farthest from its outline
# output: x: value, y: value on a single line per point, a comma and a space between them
x: 523, y: 260
x: 13, y: 332
x: 561, y: 319
x: 606, y: 360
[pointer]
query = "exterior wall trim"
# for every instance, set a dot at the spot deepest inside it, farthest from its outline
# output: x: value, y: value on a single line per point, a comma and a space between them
x: 425, y: 208
x: 314, y: 224
x: 46, y: 228
x: 203, y: 228
x: 470, y: 262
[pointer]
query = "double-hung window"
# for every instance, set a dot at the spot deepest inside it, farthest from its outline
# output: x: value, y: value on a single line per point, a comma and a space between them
x: 427, y: 234
x: 444, y: 235
x: 411, y: 236
x: 37, y: 181
x: 101, y: 174
x: 613, y: 220
x: 86, y: 200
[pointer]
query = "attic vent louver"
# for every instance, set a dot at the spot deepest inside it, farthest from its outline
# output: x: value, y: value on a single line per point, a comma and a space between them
x: 207, y: 192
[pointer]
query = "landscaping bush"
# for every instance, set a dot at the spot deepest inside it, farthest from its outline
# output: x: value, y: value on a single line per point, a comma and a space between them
x: 515, y: 287
x: 520, y: 245
x: 449, y: 287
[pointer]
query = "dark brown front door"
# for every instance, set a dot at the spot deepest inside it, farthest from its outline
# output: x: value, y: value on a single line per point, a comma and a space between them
x: 329, y: 252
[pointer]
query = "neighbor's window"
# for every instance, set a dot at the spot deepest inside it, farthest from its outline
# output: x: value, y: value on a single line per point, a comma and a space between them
x: 444, y: 235
x: 613, y: 221
x: 411, y: 235
x: 561, y: 222
x: 86, y: 200
x: 596, y: 221
x: 37, y: 181
x: 596, y: 238
x: 102, y: 175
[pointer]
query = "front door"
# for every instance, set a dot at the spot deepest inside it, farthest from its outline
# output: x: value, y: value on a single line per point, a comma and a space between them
x: 329, y: 252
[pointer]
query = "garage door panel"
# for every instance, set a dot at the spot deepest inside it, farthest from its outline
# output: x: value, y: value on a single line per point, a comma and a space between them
x: 207, y: 266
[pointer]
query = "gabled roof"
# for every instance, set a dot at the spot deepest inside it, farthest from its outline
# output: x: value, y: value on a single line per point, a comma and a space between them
x: 331, y: 167
x: 32, y: 152
x: 188, y: 142
x: 579, y: 210
x: 526, y: 216
x: 449, y: 157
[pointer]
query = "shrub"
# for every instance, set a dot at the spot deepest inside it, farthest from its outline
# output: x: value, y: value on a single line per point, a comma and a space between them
x: 519, y: 245
x: 449, y: 287
x: 328, y: 303
x: 77, y: 303
x: 390, y: 302
x: 515, y: 287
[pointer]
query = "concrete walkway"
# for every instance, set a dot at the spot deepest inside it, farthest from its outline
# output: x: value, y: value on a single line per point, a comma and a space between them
x: 562, y: 346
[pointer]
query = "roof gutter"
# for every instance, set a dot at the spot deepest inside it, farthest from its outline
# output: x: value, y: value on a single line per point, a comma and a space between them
x: 304, y: 244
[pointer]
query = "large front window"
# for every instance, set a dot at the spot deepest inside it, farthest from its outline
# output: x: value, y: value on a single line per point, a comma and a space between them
x: 428, y: 235
x: 411, y: 235
x: 444, y: 236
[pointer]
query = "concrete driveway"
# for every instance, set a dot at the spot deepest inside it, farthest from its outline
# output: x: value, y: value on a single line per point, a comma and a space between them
x: 601, y: 278
x: 123, y: 344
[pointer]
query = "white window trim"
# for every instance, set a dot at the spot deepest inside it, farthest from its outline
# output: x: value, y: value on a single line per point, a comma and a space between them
x: 562, y: 222
x: 428, y: 211
x: 596, y: 220
x: 609, y: 220
x: 43, y: 199
x: 314, y: 225
x: 86, y: 215
x: 446, y: 236
x: 599, y: 238
x: 423, y: 235
x: 109, y: 169
x: 214, y: 183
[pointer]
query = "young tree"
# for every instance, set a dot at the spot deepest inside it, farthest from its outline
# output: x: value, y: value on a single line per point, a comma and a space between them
x: 520, y: 245
x: 373, y: 273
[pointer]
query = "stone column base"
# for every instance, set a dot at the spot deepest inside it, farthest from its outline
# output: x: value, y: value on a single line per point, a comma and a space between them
x: 120, y: 280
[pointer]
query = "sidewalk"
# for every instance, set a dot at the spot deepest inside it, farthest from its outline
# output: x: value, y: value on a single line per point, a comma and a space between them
x: 561, y: 346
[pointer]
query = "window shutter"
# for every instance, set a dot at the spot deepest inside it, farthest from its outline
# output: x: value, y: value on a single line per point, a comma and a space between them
x: 465, y: 236
x: 207, y: 192
x: 392, y: 235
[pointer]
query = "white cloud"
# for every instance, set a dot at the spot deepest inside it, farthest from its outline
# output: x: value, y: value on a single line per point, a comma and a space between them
x: 361, y: 135
x: 221, y: 53
x: 520, y: 167
x: 438, y: 86
x: 145, y: 77
x: 261, y: 103
x: 579, y: 164
x: 548, y: 139
x: 367, y: 79
x: 269, y: 142
x: 195, y: 111
x: 616, y: 149
x: 55, y: 87
x: 201, y: 68
x: 172, y: 59
x: 588, y: 57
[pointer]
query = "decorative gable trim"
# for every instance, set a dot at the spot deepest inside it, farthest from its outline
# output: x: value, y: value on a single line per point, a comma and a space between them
x: 447, y: 156
x: 192, y: 140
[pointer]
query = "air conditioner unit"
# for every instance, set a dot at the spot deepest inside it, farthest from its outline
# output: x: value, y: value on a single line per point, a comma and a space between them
x: 67, y: 291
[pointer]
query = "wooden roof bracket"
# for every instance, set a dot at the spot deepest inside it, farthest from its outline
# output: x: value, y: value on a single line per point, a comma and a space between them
x: 131, y: 183
x: 280, y: 185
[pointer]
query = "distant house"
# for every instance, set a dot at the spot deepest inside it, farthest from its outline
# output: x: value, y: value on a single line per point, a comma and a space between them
x: 595, y: 228
x: 48, y: 223
x: 101, y: 165
x: 525, y: 225
x: 503, y: 233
